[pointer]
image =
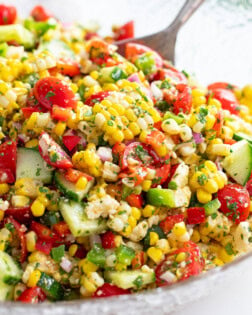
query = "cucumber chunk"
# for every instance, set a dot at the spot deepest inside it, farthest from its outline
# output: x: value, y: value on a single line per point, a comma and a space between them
x: 130, y: 278
x: 58, y: 48
x: 30, y: 164
x: 212, y: 206
x: 69, y: 189
x: 238, y: 164
x: 74, y: 215
x: 10, y: 274
x: 52, y: 288
x: 242, y: 136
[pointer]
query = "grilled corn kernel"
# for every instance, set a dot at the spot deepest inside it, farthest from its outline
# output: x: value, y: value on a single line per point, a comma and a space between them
x: 81, y: 183
x: 153, y: 238
x: 87, y: 266
x: 203, y: 196
x: 148, y: 211
x: 179, y: 229
x: 37, y: 208
x: 34, y: 278
x: 73, y: 249
x: 30, y: 241
x: 155, y: 254
x: 4, y: 188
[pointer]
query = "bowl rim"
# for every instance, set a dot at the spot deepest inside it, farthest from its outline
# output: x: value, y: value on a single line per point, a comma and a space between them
x: 175, y: 295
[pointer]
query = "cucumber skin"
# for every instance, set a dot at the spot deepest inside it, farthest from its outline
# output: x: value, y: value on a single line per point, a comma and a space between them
x: 160, y: 197
x: 6, y: 292
x: 51, y: 287
x: 242, y: 136
x: 69, y: 193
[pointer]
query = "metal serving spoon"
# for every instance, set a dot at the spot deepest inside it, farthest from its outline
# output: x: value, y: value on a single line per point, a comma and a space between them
x: 164, y: 41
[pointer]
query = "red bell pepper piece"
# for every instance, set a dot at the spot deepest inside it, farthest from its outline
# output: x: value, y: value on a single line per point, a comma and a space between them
x: 168, y: 223
x: 22, y: 215
x: 44, y: 246
x: 125, y: 31
x: 97, y: 98
x: 32, y: 295
x: 8, y: 156
x: 135, y: 200
x: 108, y: 289
x: 61, y: 228
x: 138, y: 261
x: 196, y: 215
x: 60, y: 113
x: 108, y: 240
x: 70, y: 142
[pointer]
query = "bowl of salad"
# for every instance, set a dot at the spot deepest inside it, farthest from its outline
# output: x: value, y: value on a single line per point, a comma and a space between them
x: 121, y: 177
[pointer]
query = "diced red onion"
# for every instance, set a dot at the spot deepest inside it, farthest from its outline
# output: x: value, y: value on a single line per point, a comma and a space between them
x: 94, y: 239
x: 66, y: 264
x: 105, y: 154
x: 134, y: 78
x: 197, y: 137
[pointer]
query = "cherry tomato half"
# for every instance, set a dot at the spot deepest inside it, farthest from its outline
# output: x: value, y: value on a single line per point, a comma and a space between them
x: 194, y: 264
x: 108, y: 289
x: 125, y: 31
x: 40, y: 14
x: 8, y: 14
x: 235, y: 202
x: 8, y: 156
x: 32, y: 295
x: 227, y: 99
x: 183, y: 102
x: 52, y: 153
x: 51, y: 91
x: 108, y: 240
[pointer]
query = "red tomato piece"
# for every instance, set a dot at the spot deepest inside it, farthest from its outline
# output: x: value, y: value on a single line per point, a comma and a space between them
x: 61, y: 228
x: 108, y: 240
x: 194, y: 264
x: 108, y: 289
x: 6, y: 176
x: 219, y: 123
x: 125, y: 31
x: 52, y: 153
x: 183, y: 102
x: 8, y: 155
x: 196, y: 215
x: 133, y: 51
x: 42, y: 231
x: 171, y: 73
x: 249, y: 187
x: 138, y: 261
x: 168, y: 223
x: 70, y: 142
x: 40, y: 14
x: 227, y: 99
x: 51, y: 91
x: 60, y: 113
x: 155, y: 138
x: 32, y: 295
x: 44, y: 246
x: 20, y: 235
x: 73, y: 175
x: 68, y: 67
x: 8, y: 14
x: 221, y: 85
x: 117, y: 151
x: 97, y: 98
x: 229, y: 141
x: 135, y: 200
x: 81, y: 252
x: 22, y: 215
x: 28, y: 111
x: 162, y: 172
x: 235, y: 202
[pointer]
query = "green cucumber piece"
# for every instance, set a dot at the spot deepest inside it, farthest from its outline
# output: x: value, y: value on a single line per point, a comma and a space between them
x: 52, y: 288
x: 69, y: 189
x: 160, y: 197
x: 238, y: 164
x: 212, y: 206
x: 10, y: 274
x: 6, y: 291
x: 177, y: 118
x: 30, y: 164
x: 75, y: 216
x: 58, y: 48
x: 242, y: 136
x: 112, y: 74
x: 130, y: 278
x: 18, y: 33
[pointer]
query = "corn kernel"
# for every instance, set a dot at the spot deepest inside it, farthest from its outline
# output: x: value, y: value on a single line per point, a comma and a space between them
x: 81, y: 183
x: 218, y: 262
x: 129, y: 113
x: 4, y: 188
x: 94, y: 75
x: 195, y: 236
x: 210, y: 121
x: 128, y: 134
x: 153, y: 238
x: 224, y: 256
x: 155, y: 254
x: 118, y: 240
x: 118, y: 136
x: 1, y: 215
x: 73, y: 249
x: 148, y: 211
x: 87, y: 266
x: 203, y: 196
x: 136, y: 213
x: 37, y: 208
x: 133, y: 126
x: 34, y: 278
x: 180, y: 257
x: 32, y: 143
x: 214, y: 102
x: 211, y: 186
x: 110, y: 87
x: 31, y: 241
x: 211, y: 166
x: 120, y: 267
x: 132, y: 221
x: 119, y: 108
x: 60, y: 128
x: 127, y: 230
x: 89, y: 286
x: 199, y: 100
x: 146, y: 185
x: 113, y: 111
x: 161, y: 150
x: 179, y: 229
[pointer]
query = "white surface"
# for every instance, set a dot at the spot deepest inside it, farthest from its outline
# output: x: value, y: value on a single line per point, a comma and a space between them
x: 216, y: 44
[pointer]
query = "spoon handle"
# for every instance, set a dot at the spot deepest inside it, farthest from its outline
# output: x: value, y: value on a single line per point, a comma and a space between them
x: 185, y: 13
